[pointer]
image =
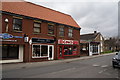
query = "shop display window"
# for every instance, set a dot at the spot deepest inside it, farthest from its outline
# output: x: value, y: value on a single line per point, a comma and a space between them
x: 70, y: 50
x: 40, y: 51
x: 10, y: 51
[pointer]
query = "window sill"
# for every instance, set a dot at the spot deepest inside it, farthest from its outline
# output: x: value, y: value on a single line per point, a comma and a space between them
x: 17, y: 31
x: 50, y: 35
x: 71, y: 55
x: 37, y: 33
x: 39, y: 57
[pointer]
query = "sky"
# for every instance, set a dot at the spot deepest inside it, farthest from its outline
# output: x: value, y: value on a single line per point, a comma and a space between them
x: 90, y: 15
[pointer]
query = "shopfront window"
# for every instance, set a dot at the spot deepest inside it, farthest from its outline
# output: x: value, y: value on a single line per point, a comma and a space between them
x: 70, y: 50
x: 36, y: 50
x: 95, y: 49
x: 74, y: 50
x: 44, y: 50
x: 40, y: 50
x: 10, y: 51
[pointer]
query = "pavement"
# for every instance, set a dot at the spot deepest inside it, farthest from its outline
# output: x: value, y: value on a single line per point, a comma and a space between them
x: 13, y: 66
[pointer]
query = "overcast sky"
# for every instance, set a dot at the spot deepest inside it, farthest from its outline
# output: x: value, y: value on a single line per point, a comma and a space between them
x: 91, y: 15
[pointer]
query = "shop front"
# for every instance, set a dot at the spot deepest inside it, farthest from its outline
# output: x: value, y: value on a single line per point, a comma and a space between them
x: 67, y: 48
x: 12, y: 48
x: 42, y: 48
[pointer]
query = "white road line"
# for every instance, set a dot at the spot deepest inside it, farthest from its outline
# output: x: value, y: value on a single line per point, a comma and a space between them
x: 104, y: 66
x: 96, y: 65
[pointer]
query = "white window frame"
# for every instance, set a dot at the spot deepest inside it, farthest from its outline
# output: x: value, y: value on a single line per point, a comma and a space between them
x: 40, y: 52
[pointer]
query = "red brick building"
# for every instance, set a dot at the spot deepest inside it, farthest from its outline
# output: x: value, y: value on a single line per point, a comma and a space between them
x: 33, y: 33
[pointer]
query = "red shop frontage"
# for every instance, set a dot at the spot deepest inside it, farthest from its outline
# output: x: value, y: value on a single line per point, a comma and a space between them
x: 67, y: 48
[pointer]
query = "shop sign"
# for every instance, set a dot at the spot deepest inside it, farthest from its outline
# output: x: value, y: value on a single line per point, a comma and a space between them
x: 67, y: 42
x: 8, y: 36
x: 38, y: 40
x: 9, y: 40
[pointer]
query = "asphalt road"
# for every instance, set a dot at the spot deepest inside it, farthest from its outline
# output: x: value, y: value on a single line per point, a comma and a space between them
x: 100, y: 67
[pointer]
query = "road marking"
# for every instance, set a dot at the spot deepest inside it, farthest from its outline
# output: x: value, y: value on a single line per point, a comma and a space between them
x: 96, y: 65
x: 102, y: 71
x: 104, y: 66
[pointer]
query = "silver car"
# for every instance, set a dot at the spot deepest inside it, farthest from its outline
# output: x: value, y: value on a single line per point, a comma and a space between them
x: 116, y: 60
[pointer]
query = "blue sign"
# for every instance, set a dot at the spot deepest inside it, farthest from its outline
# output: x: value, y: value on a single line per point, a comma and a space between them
x: 8, y: 36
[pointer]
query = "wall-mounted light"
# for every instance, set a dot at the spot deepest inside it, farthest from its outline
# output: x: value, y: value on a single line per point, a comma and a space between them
x: 6, y: 20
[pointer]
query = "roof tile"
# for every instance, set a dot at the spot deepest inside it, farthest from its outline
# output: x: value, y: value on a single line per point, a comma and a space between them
x: 37, y: 11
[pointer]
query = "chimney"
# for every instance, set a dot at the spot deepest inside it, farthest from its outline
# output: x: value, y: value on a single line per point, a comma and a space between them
x: 95, y: 31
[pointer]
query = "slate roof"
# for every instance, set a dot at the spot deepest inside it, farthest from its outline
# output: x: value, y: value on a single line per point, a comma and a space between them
x: 40, y: 12
x: 90, y: 36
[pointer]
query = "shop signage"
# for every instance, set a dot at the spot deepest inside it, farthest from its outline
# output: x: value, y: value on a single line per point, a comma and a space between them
x: 67, y: 41
x: 9, y: 40
x: 38, y: 40
x: 8, y: 36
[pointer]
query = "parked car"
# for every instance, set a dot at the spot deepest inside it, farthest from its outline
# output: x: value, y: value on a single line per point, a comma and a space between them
x: 116, y: 60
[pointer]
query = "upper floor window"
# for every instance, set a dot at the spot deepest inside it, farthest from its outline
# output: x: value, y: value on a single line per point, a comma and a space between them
x: 17, y: 24
x: 70, y: 32
x: 37, y: 28
x: 61, y: 31
x: 50, y: 29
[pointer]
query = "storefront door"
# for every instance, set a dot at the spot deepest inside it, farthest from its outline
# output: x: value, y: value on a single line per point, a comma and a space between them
x: 50, y: 52
x: 60, y: 53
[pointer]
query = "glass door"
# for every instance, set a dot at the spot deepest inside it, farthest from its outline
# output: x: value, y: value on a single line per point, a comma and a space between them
x: 60, y: 53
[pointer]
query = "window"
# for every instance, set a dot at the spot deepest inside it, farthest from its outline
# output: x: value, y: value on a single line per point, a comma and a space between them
x: 17, y: 24
x: 44, y: 50
x: 95, y: 49
x: 37, y: 27
x: 70, y: 32
x: 61, y: 31
x: 10, y: 51
x: 68, y: 50
x: 51, y: 29
x: 40, y: 51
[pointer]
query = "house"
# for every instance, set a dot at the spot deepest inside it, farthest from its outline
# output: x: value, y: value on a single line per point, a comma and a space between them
x: 92, y: 43
x: 33, y: 33
x: 112, y: 44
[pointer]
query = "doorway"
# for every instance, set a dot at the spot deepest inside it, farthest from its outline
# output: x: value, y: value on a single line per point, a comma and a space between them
x: 50, y: 52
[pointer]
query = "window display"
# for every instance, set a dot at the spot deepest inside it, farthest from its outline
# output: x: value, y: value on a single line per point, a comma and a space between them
x: 10, y: 51
x: 70, y: 50
x: 40, y: 50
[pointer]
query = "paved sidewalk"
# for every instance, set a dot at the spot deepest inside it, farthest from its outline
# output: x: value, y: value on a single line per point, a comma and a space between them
x: 13, y: 66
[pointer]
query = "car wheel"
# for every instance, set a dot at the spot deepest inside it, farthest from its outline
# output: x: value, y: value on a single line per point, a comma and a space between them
x: 113, y: 65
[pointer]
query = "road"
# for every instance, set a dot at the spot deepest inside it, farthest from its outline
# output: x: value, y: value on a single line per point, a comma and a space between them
x: 99, y: 67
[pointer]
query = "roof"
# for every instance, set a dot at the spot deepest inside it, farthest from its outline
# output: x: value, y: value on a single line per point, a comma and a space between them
x: 40, y: 12
x: 90, y: 36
